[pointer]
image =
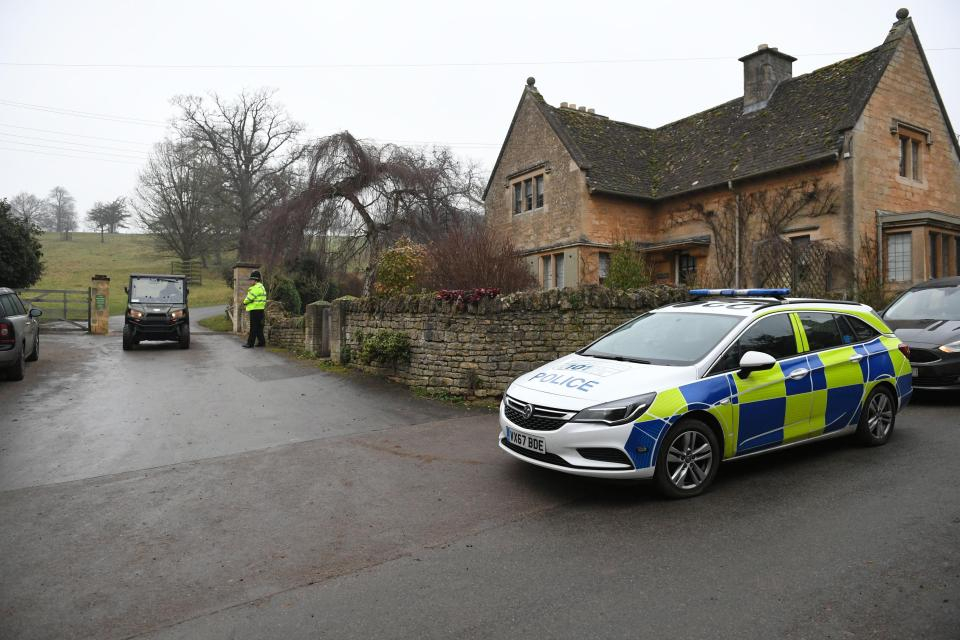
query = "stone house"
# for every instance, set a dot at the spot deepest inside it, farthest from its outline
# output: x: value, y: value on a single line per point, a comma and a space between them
x: 797, y: 179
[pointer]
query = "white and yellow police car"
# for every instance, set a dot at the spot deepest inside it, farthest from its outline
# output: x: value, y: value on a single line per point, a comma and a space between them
x: 731, y: 373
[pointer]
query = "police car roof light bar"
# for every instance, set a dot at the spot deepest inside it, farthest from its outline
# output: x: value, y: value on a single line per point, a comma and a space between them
x: 742, y: 293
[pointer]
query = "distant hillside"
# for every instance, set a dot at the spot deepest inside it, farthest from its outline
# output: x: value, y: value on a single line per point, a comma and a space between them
x: 70, y: 265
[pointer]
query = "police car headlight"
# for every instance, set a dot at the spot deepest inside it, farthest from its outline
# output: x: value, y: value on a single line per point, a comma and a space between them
x: 616, y: 412
x: 952, y: 347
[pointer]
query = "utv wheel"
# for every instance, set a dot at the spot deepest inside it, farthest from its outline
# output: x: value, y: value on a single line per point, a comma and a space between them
x: 33, y: 357
x: 877, y: 418
x: 127, y: 338
x: 184, y: 340
x: 688, y: 460
x: 16, y: 371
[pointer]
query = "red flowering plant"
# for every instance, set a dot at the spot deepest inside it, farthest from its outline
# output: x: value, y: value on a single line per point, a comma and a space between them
x: 467, y: 296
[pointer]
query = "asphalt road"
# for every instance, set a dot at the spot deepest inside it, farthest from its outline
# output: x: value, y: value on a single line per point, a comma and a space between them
x: 223, y: 492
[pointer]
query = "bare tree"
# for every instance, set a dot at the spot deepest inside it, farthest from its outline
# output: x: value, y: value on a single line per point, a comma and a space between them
x: 108, y: 216
x: 175, y: 197
x: 253, y: 143
x: 63, y: 210
x: 366, y: 195
x: 31, y: 208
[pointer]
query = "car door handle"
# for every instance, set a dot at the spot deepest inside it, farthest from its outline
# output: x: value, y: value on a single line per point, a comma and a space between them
x: 796, y: 374
x: 856, y: 357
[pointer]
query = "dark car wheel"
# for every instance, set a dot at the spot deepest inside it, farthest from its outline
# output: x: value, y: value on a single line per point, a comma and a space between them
x: 33, y: 357
x: 127, y: 338
x: 877, y: 418
x: 688, y: 460
x: 185, y: 338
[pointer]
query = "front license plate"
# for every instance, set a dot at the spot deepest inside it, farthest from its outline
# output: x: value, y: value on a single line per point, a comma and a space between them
x: 916, y: 372
x: 532, y: 443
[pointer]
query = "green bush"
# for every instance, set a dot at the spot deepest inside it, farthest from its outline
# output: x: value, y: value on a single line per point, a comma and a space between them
x: 385, y: 347
x: 285, y: 292
x: 399, y: 267
x: 628, y: 269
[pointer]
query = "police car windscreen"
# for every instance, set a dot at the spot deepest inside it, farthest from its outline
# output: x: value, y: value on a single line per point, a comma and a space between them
x: 157, y: 290
x: 665, y: 338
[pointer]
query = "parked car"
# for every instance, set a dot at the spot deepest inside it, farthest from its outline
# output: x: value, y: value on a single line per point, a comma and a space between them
x: 156, y: 310
x: 673, y: 392
x: 927, y: 318
x: 19, y: 334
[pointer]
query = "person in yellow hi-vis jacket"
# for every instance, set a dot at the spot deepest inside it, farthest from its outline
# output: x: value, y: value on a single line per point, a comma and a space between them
x: 255, y: 303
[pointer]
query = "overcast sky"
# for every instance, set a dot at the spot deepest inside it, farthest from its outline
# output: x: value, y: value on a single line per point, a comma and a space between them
x: 85, y: 87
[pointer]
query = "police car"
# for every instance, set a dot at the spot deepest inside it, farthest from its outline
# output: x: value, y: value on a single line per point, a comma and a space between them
x: 729, y: 374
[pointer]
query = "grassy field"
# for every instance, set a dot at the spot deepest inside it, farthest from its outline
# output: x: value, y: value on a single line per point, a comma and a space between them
x: 70, y: 265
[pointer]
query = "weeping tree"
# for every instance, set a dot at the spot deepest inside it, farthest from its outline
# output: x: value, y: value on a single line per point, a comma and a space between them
x: 358, y: 197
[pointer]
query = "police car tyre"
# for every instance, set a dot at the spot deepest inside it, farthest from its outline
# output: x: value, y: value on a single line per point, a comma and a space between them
x: 35, y: 355
x: 688, y: 459
x: 127, y: 338
x: 878, y: 417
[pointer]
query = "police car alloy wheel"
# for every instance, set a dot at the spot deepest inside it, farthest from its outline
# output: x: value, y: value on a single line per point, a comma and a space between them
x: 878, y: 418
x: 671, y: 394
x: 688, y: 460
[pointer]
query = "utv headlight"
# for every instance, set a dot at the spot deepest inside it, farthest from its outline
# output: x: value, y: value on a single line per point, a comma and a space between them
x: 616, y: 412
x: 176, y: 314
x: 951, y: 347
x: 135, y: 314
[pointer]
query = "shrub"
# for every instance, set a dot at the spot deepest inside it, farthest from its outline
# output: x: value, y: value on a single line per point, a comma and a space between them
x: 628, y: 268
x: 20, y: 265
x: 285, y: 292
x: 471, y: 256
x: 385, y: 347
x: 399, y: 266
x: 466, y: 296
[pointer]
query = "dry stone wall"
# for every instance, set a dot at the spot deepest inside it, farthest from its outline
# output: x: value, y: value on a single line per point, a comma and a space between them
x: 476, y: 350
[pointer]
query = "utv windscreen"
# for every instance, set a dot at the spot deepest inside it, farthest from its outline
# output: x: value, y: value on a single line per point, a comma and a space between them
x: 664, y: 338
x: 156, y: 290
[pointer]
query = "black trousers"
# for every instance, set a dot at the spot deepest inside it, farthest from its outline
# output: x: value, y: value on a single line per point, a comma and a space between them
x: 256, y: 328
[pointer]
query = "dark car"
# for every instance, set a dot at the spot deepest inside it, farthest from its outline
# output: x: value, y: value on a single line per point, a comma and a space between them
x: 927, y: 318
x: 19, y: 334
x: 156, y: 310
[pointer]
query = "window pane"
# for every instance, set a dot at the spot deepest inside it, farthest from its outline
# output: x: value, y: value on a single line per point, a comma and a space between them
x: 528, y: 193
x: 773, y: 336
x: 945, y: 254
x: 934, y: 252
x: 517, y: 199
x: 688, y: 268
x: 18, y: 305
x: 915, y: 157
x: 822, y: 330
x: 539, y: 181
x: 861, y: 330
x: 665, y: 338
x: 899, y: 257
x: 558, y: 261
x: 547, y: 273
x: 7, y: 306
x: 604, y: 265
x: 903, y: 156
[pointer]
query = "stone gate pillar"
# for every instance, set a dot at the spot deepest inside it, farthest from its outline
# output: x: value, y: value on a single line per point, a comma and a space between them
x: 241, y: 282
x: 100, y: 305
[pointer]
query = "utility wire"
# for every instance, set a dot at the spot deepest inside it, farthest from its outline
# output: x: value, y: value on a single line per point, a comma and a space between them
x: 83, y: 114
x: 394, y: 65
x: 62, y: 155
x: 76, y: 135
x: 46, y: 146
x: 4, y: 134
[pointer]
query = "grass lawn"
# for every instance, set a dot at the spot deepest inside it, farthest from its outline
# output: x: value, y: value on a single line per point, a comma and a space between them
x: 218, y: 322
x: 70, y: 265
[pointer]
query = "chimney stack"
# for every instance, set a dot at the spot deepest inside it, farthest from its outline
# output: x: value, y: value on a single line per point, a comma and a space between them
x: 763, y: 70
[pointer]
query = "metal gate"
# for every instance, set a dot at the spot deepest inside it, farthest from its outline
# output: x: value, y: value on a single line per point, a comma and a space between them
x: 62, y: 308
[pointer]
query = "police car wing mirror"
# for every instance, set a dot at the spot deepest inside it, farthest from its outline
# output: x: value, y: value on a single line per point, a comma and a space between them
x: 755, y: 361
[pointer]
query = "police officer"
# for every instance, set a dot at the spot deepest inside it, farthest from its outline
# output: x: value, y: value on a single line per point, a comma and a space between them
x: 255, y: 302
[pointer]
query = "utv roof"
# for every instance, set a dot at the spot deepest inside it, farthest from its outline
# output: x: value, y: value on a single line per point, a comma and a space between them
x: 156, y: 275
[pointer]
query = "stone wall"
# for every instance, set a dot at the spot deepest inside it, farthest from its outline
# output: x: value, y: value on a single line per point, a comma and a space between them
x: 477, y: 350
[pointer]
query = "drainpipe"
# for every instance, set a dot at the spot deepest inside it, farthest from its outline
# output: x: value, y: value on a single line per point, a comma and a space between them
x: 880, y: 248
x: 736, y: 237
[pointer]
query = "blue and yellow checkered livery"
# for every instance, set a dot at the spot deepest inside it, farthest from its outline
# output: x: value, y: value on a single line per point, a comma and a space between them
x: 771, y: 408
